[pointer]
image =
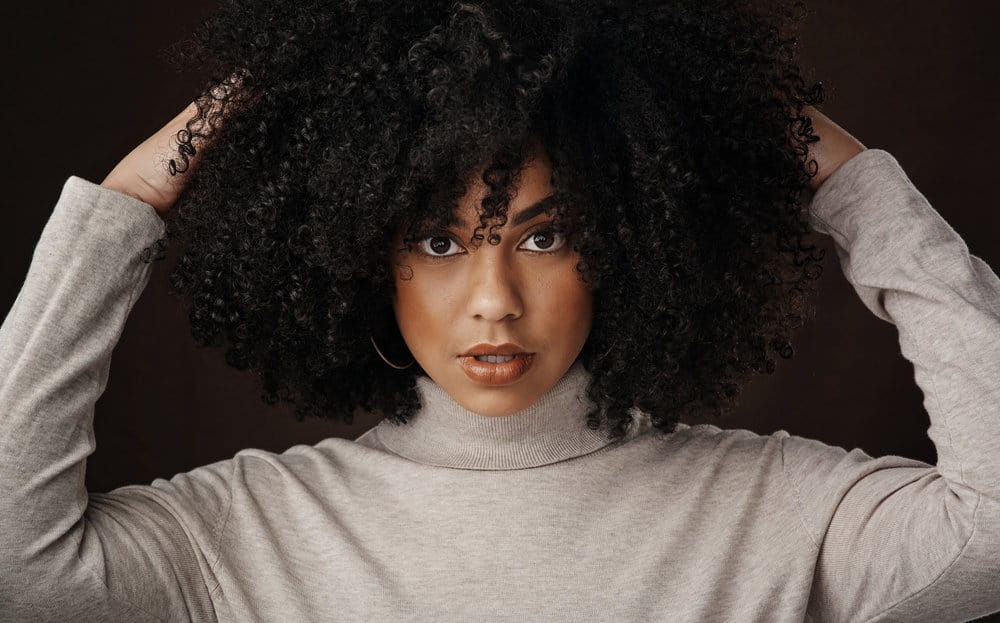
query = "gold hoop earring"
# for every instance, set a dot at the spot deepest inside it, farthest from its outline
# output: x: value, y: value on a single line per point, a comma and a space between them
x: 383, y: 356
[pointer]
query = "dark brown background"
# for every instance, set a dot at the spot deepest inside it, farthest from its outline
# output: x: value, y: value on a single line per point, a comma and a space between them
x: 87, y: 82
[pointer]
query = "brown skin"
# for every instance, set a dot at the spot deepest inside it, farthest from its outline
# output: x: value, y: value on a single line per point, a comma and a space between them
x: 144, y: 174
x: 835, y: 147
x: 494, y: 294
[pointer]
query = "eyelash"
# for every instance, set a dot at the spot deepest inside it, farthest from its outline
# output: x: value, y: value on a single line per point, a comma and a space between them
x: 421, y: 237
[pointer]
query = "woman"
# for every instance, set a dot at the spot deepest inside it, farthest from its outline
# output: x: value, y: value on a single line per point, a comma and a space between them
x: 533, y: 236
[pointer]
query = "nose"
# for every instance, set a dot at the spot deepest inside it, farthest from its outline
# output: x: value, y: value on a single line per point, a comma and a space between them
x: 494, y: 288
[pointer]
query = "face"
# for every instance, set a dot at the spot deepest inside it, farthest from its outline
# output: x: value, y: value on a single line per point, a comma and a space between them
x: 451, y: 296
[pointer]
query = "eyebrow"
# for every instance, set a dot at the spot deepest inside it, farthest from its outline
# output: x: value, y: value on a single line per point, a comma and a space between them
x: 542, y: 206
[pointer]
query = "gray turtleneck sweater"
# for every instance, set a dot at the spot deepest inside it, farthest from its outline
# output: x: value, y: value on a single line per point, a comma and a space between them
x: 531, y: 517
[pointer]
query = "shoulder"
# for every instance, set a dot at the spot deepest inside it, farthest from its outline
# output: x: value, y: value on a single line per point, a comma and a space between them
x: 707, y: 436
x: 709, y: 449
x: 331, y: 460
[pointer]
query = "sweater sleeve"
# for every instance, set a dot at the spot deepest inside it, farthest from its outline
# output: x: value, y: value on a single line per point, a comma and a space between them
x: 140, y: 552
x: 898, y: 539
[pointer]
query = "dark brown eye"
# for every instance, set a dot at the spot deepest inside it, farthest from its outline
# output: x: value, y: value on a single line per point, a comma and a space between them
x: 547, y: 240
x: 544, y: 235
x: 435, y: 246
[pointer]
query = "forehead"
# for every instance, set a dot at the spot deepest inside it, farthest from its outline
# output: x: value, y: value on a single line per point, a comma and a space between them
x: 533, y: 193
x: 521, y: 215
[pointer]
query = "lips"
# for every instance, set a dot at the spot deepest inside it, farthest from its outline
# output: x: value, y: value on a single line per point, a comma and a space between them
x: 507, y: 348
x: 502, y: 373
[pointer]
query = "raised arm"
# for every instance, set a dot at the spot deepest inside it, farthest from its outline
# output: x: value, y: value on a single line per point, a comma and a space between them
x: 898, y: 539
x: 138, y: 553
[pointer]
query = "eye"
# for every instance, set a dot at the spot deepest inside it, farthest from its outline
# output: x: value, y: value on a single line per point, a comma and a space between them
x: 438, y: 244
x: 552, y: 240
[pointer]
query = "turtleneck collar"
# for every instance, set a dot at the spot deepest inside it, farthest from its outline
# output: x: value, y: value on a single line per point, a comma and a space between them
x: 446, y: 434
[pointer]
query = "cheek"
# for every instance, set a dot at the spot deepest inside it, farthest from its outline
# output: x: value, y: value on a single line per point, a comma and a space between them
x: 406, y: 300
x: 419, y: 304
x: 569, y: 301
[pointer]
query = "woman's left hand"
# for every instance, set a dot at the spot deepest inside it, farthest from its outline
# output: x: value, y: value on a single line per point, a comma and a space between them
x: 835, y: 147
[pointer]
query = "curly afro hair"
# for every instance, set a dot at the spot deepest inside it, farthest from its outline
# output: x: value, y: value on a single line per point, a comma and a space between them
x: 679, y: 153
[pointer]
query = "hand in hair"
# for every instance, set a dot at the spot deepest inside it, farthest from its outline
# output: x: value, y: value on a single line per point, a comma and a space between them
x: 835, y: 146
x: 143, y: 173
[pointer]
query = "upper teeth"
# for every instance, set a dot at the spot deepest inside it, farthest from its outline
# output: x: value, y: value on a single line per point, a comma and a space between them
x: 494, y: 358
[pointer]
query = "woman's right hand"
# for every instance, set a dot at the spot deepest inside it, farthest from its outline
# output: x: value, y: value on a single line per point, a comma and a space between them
x: 144, y: 173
